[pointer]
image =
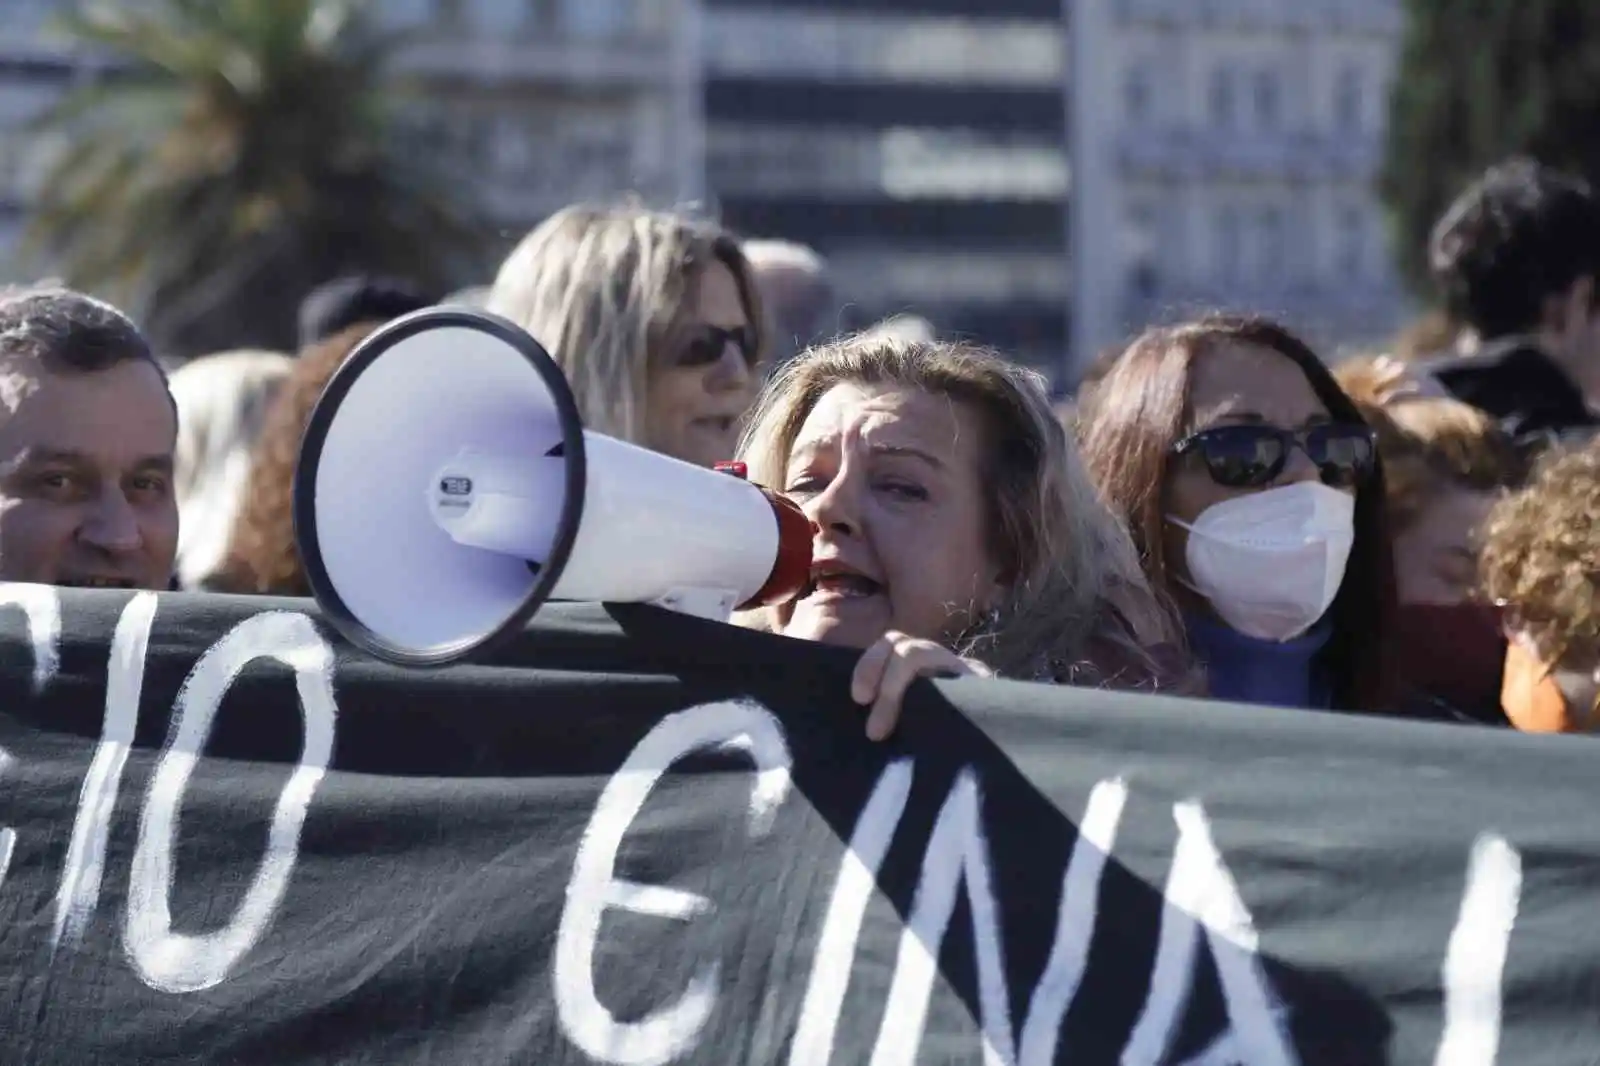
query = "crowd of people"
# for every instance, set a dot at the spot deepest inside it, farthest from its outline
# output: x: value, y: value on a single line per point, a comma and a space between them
x: 1221, y: 512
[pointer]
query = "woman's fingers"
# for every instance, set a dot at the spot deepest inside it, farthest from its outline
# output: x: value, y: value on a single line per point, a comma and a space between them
x: 885, y: 712
x: 978, y: 669
x: 869, y: 669
x: 903, y: 660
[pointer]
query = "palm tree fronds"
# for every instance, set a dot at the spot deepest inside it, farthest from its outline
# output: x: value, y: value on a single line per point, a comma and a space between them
x: 249, y: 149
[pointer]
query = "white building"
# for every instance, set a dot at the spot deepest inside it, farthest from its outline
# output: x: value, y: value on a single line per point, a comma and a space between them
x: 1224, y: 157
x: 544, y: 101
x: 35, y: 69
x: 553, y: 101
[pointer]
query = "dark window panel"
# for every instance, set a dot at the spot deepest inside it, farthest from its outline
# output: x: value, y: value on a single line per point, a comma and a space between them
x: 880, y: 105
x: 988, y: 9
x: 927, y: 223
x: 36, y: 68
x: 1023, y: 330
x: 1015, y: 327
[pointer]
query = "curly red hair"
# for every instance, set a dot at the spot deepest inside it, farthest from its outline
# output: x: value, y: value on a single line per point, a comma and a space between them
x: 262, y: 558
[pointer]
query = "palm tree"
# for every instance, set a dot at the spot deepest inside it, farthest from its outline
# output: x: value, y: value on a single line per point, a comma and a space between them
x: 232, y: 155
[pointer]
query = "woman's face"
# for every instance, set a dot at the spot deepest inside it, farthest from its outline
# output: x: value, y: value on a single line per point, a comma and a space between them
x: 1435, y: 555
x: 704, y: 380
x: 891, y: 479
x: 1236, y: 384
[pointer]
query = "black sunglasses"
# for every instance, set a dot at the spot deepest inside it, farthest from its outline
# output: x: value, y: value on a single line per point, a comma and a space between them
x: 707, y: 343
x: 1253, y: 456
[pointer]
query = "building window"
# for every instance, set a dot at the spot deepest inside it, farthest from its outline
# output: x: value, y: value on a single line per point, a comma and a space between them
x: 786, y: 40
x: 597, y: 19
x: 1230, y: 244
x: 1136, y: 94
x: 406, y: 13
x: 1347, y: 100
x: 1140, y: 246
x: 513, y: 150
x: 1352, y: 243
x: 1274, y: 247
x: 1222, y: 98
x: 11, y: 148
x: 1268, y: 103
x: 492, y: 18
x: 1144, y: 281
x: 541, y: 14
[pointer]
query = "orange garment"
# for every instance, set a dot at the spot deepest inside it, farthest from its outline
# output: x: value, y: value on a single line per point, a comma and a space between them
x: 1534, y: 698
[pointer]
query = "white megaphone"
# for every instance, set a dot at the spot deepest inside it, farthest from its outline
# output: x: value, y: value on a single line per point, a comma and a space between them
x: 446, y: 489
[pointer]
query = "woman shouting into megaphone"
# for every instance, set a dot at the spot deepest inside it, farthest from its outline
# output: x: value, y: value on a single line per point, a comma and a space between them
x: 955, y: 530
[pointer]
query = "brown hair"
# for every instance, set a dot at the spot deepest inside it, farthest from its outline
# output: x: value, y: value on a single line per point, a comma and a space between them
x: 1425, y: 440
x: 1540, y: 554
x: 262, y: 557
x: 1141, y: 407
x: 1079, y: 607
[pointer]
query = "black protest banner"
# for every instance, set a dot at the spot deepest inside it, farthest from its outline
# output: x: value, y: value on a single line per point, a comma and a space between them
x: 636, y: 838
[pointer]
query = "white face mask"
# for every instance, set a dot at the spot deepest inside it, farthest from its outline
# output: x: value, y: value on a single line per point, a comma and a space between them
x: 1271, y: 563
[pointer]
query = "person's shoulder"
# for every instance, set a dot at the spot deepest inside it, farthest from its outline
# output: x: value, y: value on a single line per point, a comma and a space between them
x: 1488, y: 359
x: 1518, y: 356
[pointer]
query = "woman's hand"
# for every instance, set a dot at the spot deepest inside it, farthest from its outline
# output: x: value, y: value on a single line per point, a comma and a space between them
x: 887, y: 668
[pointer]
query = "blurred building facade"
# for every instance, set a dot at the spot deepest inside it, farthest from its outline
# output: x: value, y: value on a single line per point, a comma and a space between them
x: 1224, y: 153
x: 551, y: 101
x: 915, y: 143
x: 35, y: 70
x: 542, y: 101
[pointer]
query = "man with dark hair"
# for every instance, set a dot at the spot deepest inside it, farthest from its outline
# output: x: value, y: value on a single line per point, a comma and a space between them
x: 1517, y: 262
x: 336, y: 306
x: 87, y: 434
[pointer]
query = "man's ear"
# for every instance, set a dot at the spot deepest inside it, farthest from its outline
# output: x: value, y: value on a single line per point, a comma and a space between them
x: 1582, y: 304
x: 1573, y: 339
x: 1575, y: 312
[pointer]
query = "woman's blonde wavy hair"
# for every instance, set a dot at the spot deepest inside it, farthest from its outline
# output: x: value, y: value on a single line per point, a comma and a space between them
x: 602, y: 288
x: 1079, y: 606
x: 263, y: 557
x: 222, y: 401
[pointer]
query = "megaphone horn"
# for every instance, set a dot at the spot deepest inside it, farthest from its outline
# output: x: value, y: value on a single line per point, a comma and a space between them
x: 446, y: 489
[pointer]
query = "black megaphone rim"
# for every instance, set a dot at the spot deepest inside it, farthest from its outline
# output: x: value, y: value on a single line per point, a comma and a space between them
x: 374, y: 347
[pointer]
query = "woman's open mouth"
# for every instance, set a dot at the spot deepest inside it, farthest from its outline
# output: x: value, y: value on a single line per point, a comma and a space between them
x: 832, y: 580
x: 719, y: 424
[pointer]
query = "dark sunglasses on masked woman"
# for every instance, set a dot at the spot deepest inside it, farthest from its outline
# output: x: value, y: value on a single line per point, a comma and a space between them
x: 1252, y: 456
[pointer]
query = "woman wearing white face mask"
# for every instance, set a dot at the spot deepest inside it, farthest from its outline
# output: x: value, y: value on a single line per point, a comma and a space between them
x: 1252, y: 487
